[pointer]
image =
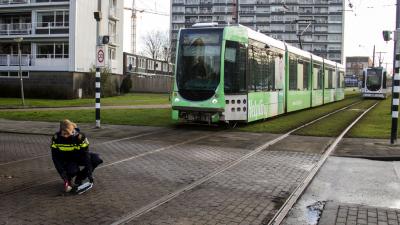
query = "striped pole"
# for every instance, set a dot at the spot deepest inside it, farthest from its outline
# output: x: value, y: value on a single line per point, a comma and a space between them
x: 396, y: 91
x: 97, y: 97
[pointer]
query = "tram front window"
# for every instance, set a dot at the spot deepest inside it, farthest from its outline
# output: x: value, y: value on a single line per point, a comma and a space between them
x: 198, y: 64
x: 374, y: 79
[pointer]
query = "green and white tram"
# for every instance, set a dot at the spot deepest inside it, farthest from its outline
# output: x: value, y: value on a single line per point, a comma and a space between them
x: 235, y: 74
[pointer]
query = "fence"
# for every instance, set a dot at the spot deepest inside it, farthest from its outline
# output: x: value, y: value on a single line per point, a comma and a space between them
x: 148, y: 75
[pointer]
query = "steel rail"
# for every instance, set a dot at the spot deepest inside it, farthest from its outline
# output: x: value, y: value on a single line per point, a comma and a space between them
x: 147, y: 208
x: 292, y: 199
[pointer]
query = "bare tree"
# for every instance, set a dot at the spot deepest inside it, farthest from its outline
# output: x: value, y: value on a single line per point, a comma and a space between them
x: 157, y: 45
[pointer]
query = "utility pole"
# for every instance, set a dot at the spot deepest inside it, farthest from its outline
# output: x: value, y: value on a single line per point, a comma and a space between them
x: 236, y: 11
x: 19, y: 40
x: 396, y: 78
x: 98, y: 16
x: 133, y: 28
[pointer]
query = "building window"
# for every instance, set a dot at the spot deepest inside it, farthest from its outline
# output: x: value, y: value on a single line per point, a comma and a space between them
x: 53, y: 19
x: 13, y: 74
x: 111, y: 53
x: 53, y: 50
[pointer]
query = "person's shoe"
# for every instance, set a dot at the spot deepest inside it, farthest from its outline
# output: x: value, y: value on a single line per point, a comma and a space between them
x: 78, y: 181
x: 67, y: 186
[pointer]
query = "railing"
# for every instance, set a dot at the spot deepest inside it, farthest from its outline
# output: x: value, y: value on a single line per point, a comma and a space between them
x: 34, y: 28
x: 16, y: 29
x: 51, y: 56
x: 14, y: 2
x: 13, y: 60
x: 11, y: 2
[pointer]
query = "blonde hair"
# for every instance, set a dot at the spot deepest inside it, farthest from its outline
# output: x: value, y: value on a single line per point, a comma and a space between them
x: 66, y: 124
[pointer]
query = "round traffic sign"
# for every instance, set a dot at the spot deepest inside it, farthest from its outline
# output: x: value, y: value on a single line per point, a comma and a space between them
x: 100, y: 56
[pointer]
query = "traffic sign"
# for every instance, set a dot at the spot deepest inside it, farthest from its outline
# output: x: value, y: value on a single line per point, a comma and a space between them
x: 100, y: 56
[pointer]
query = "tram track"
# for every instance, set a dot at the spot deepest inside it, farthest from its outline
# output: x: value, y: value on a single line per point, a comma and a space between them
x: 292, y: 199
x: 195, y: 183
x: 153, y: 205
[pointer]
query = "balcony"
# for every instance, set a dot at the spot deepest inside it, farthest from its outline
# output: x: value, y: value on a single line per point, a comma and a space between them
x: 34, y: 28
x: 16, y: 29
x: 16, y: 2
x: 39, y: 62
x: 13, y: 60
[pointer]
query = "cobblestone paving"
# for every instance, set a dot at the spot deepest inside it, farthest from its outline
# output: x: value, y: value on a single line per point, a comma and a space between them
x: 249, y: 193
x: 19, y: 146
x: 33, y: 172
x: 118, y: 189
x: 352, y: 214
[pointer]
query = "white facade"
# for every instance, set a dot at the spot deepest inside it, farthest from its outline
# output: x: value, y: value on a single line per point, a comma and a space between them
x: 58, y: 35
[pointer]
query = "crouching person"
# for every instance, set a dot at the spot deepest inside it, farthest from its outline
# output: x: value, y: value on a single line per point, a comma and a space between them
x: 70, y: 152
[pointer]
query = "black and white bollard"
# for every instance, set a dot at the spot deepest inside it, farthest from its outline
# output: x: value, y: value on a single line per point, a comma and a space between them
x: 98, y: 97
x: 395, y: 102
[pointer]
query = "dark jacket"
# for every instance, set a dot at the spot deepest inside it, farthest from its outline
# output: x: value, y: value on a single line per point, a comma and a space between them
x: 70, y: 152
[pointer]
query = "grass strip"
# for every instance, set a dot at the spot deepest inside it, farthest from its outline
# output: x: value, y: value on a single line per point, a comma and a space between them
x: 284, y: 123
x: 143, y: 117
x: 127, y: 99
x: 333, y: 125
x: 376, y: 124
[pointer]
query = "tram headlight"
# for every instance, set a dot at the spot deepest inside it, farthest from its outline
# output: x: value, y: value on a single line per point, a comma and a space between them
x: 214, y: 101
x: 176, y: 100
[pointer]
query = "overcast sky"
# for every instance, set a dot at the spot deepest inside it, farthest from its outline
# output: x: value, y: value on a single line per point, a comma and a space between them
x: 363, y: 25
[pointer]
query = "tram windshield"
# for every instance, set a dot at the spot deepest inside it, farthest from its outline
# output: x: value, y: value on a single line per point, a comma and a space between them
x: 374, y: 79
x: 198, y: 63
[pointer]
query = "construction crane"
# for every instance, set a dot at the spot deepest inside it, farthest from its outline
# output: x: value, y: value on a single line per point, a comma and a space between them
x: 134, y: 11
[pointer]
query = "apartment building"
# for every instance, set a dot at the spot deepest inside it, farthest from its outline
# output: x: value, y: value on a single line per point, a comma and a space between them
x: 319, y: 21
x: 356, y: 64
x: 58, y: 45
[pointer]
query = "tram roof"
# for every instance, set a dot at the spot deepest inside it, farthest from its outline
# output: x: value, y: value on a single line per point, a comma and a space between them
x: 317, y: 58
x: 298, y: 51
x: 329, y: 62
x: 264, y: 38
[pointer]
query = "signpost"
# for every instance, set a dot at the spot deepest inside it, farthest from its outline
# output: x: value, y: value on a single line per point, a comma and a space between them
x: 100, y: 56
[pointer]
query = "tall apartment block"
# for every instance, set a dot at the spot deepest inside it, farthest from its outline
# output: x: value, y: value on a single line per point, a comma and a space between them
x: 58, y: 46
x: 320, y: 22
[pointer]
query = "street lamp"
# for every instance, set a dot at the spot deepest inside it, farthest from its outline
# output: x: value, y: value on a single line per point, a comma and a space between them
x: 19, y: 40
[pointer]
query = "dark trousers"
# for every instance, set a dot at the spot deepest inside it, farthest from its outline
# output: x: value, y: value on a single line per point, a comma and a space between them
x: 73, y: 168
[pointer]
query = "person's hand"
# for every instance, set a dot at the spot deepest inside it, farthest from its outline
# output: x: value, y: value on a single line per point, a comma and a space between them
x: 67, y: 186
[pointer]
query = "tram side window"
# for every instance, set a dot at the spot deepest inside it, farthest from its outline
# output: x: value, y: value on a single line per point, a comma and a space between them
x: 292, y: 73
x: 271, y: 73
x: 317, y: 77
x: 306, y: 72
x: 330, y: 79
x: 235, y: 67
x: 261, y: 69
x: 267, y: 71
x: 253, y: 67
x: 300, y: 73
